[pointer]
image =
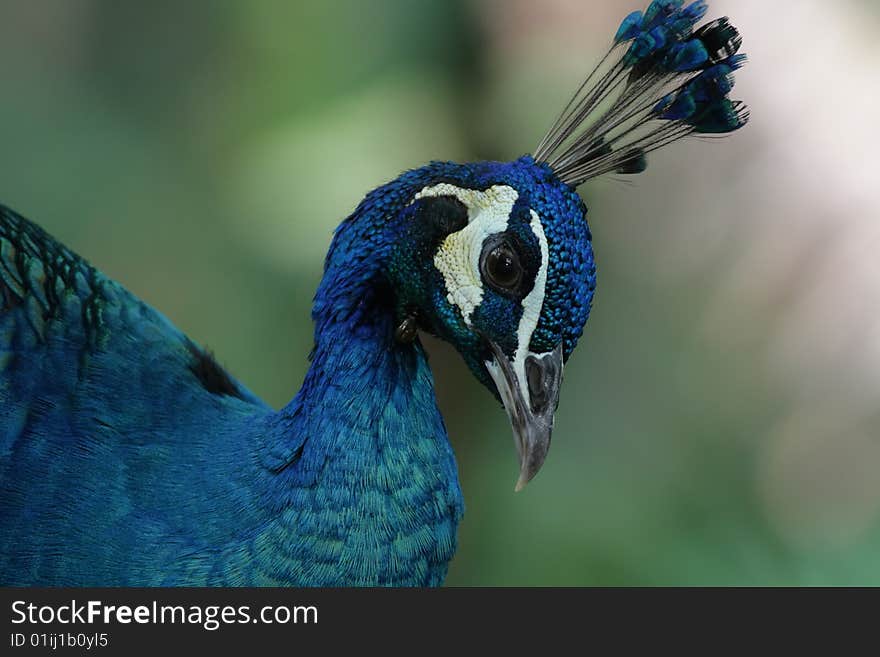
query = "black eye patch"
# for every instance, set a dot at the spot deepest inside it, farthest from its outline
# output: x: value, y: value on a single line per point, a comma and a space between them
x: 521, y: 213
x: 442, y: 215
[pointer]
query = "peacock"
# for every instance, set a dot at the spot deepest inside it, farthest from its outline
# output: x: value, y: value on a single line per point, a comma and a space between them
x: 130, y: 457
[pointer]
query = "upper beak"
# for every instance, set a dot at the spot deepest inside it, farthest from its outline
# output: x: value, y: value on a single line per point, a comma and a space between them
x: 529, y: 389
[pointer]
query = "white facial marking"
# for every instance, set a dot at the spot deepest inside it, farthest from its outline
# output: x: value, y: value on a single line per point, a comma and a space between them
x: 458, y: 258
x: 532, y: 304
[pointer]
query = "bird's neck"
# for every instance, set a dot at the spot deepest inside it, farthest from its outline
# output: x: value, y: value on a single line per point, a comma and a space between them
x: 359, y: 374
x: 376, y: 466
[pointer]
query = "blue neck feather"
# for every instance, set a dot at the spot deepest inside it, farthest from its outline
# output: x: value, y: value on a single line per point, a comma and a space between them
x: 375, y: 483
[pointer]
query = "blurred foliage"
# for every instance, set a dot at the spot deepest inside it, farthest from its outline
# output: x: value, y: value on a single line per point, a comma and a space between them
x: 202, y: 153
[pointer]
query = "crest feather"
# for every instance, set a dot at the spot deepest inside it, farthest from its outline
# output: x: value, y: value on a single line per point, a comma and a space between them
x: 663, y: 79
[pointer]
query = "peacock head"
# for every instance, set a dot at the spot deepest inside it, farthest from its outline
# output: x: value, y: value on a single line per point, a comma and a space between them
x: 496, y: 258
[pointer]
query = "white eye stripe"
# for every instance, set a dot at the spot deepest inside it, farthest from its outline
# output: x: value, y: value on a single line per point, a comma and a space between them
x: 458, y: 258
x: 533, y: 303
x: 493, y: 204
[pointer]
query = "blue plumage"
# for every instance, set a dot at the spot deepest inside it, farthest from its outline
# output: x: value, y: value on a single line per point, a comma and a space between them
x: 119, y: 467
x: 129, y: 457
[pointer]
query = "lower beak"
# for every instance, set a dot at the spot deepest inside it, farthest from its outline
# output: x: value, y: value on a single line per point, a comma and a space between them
x: 529, y: 389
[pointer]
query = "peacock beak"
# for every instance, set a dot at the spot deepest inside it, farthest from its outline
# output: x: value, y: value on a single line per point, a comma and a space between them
x: 529, y: 389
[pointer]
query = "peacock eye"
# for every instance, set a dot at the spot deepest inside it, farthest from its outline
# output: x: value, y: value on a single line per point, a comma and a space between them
x: 502, y: 268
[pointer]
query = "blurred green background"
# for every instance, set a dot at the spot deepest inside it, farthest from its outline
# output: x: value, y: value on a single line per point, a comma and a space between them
x: 719, y: 423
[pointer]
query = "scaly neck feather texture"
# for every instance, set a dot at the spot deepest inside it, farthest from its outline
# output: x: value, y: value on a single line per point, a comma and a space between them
x: 373, y: 494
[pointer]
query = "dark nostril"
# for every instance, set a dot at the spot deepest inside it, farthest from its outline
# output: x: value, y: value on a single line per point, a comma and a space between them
x: 536, y: 377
